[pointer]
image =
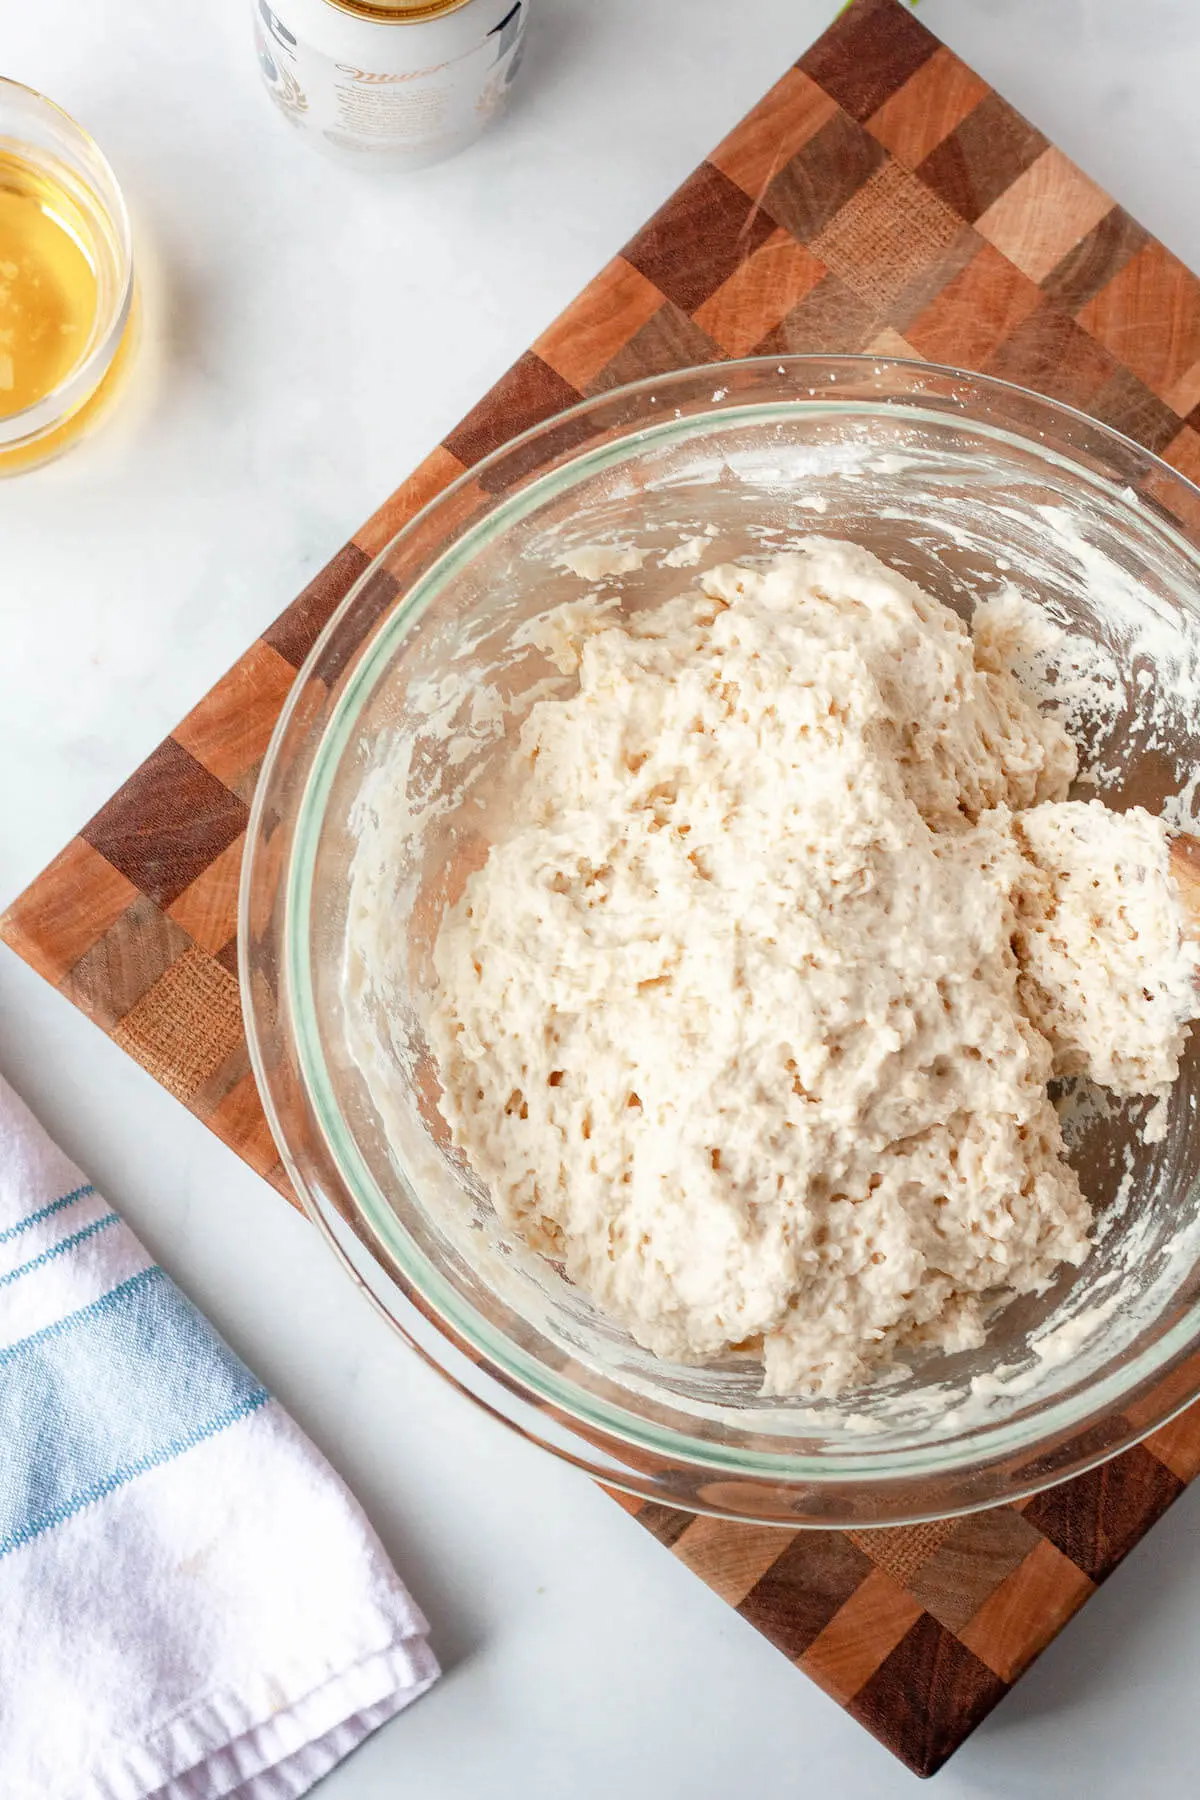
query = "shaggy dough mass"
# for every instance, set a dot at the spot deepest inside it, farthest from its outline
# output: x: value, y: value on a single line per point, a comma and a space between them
x: 749, y: 1015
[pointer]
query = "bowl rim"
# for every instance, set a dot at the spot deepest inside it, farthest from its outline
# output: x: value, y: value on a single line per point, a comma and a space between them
x: 1074, y: 1414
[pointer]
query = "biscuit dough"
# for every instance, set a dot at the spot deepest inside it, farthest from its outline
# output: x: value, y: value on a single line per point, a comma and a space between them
x: 749, y: 1015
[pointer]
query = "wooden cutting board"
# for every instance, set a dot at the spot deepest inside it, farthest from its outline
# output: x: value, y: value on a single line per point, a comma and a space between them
x: 881, y: 197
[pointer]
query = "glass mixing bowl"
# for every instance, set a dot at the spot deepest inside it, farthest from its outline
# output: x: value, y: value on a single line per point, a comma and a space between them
x: 415, y: 689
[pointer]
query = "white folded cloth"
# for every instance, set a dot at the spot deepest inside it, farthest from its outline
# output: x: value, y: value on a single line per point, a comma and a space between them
x: 191, y: 1604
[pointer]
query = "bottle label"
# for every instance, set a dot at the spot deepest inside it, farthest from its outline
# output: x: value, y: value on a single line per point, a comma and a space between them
x: 428, y: 109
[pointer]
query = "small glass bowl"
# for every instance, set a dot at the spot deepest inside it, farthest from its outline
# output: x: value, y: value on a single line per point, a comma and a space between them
x: 962, y: 482
x: 41, y: 133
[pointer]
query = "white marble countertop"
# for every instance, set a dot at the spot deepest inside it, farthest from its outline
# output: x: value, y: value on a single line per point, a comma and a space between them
x: 313, y: 333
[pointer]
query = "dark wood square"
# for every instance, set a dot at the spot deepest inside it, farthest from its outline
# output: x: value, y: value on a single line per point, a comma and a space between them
x: 1127, y: 405
x: 706, y: 230
x: 1048, y: 351
x: 982, y: 157
x: 802, y: 1590
x: 670, y: 340
x: 868, y: 54
x: 1098, y: 1518
x: 1094, y: 261
x: 922, y: 1697
x: 832, y: 317
x: 822, y: 177
x: 296, y: 631
x: 979, y: 1553
x: 528, y: 393
x: 167, y: 824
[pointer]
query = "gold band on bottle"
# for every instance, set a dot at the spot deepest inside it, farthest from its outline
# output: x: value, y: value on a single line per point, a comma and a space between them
x: 398, y: 12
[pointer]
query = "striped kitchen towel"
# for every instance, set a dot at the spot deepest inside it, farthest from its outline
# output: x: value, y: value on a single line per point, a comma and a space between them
x: 191, y: 1604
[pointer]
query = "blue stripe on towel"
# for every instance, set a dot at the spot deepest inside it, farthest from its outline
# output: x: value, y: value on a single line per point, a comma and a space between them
x: 63, y: 1244
x: 46, y: 1212
x: 122, y: 1386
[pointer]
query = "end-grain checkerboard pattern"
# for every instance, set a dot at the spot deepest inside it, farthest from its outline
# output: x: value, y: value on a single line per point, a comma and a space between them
x: 880, y: 198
